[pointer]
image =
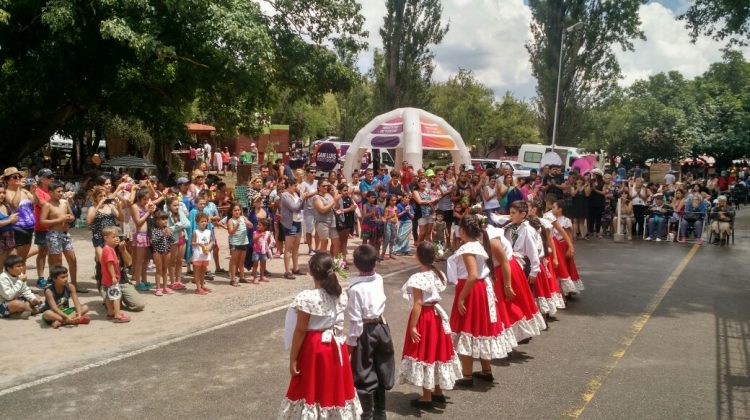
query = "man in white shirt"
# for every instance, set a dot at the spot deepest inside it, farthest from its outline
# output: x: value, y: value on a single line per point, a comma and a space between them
x: 369, y: 340
x: 207, y: 151
x: 307, y: 190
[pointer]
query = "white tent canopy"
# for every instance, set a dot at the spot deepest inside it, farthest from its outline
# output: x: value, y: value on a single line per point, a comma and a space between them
x: 410, y: 131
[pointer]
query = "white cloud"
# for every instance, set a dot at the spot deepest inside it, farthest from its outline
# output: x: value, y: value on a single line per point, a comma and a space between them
x: 488, y: 37
x: 667, y: 47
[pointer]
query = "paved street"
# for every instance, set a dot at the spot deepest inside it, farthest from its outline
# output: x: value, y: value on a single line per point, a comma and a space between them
x: 687, y: 359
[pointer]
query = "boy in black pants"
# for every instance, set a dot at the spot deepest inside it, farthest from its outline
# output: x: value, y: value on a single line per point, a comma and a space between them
x: 370, y: 344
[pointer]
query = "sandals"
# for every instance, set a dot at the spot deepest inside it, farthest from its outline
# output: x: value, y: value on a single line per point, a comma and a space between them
x: 465, y: 382
x: 289, y: 276
x: 234, y: 283
x: 122, y: 319
x: 298, y: 272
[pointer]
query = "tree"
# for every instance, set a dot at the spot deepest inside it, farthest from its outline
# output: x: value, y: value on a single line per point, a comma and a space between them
x: 409, y: 28
x: 590, y: 69
x: 465, y: 104
x: 356, y: 108
x: 719, y: 19
x: 511, y: 123
x: 149, y: 60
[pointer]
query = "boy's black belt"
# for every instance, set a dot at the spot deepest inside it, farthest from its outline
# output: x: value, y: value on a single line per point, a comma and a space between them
x: 378, y: 320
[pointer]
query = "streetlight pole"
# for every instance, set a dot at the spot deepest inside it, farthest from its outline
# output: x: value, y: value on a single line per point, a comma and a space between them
x: 569, y: 29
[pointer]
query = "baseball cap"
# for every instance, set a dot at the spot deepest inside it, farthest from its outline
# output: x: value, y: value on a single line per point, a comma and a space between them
x: 45, y: 173
x: 182, y: 180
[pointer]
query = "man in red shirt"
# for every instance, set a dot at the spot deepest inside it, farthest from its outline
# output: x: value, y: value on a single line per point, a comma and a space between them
x: 44, y: 177
x: 406, y: 174
x: 723, y: 182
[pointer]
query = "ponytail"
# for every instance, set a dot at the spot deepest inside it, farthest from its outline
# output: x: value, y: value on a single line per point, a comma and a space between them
x: 321, y: 269
x: 488, y: 250
x: 426, y: 256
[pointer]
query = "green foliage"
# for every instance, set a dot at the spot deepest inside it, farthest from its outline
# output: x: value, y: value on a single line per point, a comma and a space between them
x: 409, y: 28
x: 719, y: 19
x: 356, y: 109
x: 668, y: 117
x: 590, y: 69
x: 471, y: 109
x: 148, y: 61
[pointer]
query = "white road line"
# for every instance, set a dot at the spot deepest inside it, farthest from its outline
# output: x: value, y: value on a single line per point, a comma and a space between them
x: 104, y: 362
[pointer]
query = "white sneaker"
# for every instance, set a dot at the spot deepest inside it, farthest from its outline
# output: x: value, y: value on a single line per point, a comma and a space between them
x: 648, y: 238
x: 658, y: 239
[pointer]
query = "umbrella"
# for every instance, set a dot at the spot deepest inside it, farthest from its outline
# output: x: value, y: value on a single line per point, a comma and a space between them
x: 128, y: 162
x: 550, y: 158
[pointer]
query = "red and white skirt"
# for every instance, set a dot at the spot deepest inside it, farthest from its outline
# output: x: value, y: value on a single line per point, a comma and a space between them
x: 524, y: 317
x: 567, y: 273
x: 474, y: 334
x: 324, y: 387
x: 554, y: 284
x: 547, y: 292
x: 431, y: 362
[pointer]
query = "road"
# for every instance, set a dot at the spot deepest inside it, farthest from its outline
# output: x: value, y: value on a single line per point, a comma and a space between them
x: 661, y: 331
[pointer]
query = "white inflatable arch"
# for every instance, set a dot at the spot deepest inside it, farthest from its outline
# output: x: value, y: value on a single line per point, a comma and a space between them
x: 410, y: 131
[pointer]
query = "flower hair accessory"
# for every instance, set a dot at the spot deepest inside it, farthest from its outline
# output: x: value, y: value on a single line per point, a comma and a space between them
x: 439, y: 249
x: 339, y: 266
x: 482, y: 220
x: 475, y: 209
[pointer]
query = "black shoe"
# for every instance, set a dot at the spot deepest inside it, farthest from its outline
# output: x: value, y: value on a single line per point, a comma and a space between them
x: 439, y: 399
x: 487, y: 377
x: 466, y: 383
x: 422, y: 405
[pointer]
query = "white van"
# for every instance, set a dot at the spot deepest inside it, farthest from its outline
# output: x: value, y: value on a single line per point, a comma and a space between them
x: 57, y: 141
x: 530, y: 155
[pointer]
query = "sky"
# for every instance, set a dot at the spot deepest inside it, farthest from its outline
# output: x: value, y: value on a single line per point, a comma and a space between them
x: 488, y: 37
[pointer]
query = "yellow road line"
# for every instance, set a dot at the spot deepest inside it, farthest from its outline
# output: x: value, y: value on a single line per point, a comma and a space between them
x: 596, y: 383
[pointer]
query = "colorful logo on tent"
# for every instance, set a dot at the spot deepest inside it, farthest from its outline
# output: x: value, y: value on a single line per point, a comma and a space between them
x: 326, y: 157
x: 429, y: 142
x: 393, y: 126
x: 385, y: 142
x: 430, y: 127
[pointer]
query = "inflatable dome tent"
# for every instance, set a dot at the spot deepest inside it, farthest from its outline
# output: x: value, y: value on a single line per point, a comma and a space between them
x: 410, y: 131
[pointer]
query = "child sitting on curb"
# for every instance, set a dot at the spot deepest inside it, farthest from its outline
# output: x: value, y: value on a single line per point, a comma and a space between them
x: 58, y: 310
x: 15, y: 296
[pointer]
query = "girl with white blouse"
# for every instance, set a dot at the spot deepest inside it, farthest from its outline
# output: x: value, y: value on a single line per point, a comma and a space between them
x: 429, y: 360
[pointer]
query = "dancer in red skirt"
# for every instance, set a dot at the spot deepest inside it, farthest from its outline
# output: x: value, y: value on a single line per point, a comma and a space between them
x: 512, y: 288
x: 321, y: 384
x: 550, y: 297
x: 428, y: 360
x: 567, y: 273
x: 477, y: 331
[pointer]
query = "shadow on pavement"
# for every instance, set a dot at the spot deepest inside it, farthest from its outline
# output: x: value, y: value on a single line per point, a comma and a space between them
x: 732, y: 361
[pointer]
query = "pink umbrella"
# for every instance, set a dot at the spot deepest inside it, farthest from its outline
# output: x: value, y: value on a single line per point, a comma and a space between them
x: 585, y: 164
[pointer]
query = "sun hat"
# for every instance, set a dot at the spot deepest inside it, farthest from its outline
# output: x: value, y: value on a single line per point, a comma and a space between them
x: 11, y: 171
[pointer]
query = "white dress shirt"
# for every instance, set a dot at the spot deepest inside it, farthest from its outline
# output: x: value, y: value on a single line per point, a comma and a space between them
x: 525, y: 246
x: 366, y: 301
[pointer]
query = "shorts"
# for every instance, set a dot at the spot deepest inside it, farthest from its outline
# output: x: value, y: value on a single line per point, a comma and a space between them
x: 97, y: 242
x: 325, y: 231
x: 373, y: 232
x: 59, y: 242
x: 282, y: 235
x: 66, y: 311
x: 112, y: 293
x: 200, y: 263
x: 428, y: 220
x: 23, y: 236
x: 447, y: 216
x: 4, y: 310
x: 259, y: 257
x: 309, y: 221
x: 7, y: 240
x: 40, y: 238
x: 294, y: 230
x: 237, y: 247
x: 142, y: 240
x: 181, y: 241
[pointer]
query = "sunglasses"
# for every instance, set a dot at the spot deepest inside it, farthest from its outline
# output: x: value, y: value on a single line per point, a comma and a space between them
x: 15, y: 176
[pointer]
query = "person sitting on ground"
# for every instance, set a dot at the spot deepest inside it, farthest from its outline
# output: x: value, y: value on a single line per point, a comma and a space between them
x: 15, y: 296
x: 658, y: 217
x: 58, y: 310
x: 721, y: 220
